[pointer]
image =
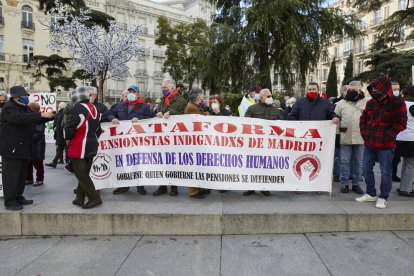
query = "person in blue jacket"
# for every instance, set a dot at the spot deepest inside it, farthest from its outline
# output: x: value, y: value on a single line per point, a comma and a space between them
x: 134, y: 108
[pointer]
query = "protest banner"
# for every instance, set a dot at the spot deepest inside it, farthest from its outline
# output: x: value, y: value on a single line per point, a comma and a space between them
x: 47, y: 102
x: 223, y: 153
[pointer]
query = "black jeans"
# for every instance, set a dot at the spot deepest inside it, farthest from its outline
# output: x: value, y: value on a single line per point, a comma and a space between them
x: 14, y: 177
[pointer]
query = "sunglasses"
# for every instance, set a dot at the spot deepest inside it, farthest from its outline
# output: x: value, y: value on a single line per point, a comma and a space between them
x: 269, y: 96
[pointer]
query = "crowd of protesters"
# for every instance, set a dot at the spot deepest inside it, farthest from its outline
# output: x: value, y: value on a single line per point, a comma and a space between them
x: 377, y: 126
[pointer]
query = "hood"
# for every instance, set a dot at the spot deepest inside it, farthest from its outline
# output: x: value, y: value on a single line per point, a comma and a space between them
x: 382, y: 83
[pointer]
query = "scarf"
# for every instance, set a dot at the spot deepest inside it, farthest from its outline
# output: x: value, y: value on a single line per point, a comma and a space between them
x: 170, y: 96
x: 137, y: 101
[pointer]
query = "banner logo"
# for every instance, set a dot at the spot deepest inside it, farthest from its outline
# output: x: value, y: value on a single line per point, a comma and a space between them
x: 101, y: 167
x: 307, y: 167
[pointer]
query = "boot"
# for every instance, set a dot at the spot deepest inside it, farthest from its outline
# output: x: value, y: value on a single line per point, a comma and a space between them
x: 161, y: 190
x: 174, y: 191
x: 141, y: 190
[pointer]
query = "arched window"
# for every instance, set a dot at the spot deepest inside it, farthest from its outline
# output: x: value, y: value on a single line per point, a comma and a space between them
x: 27, y: 17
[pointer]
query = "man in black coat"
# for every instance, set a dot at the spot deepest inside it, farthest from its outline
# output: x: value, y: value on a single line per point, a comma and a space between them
x: 313, y: 107
x: 16, y: 145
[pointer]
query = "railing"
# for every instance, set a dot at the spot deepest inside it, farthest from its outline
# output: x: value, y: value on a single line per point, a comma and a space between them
x: 347, y: 53
x: 376, y: 21
x: 28, y: 25
x: 114, y: 93
x: 27, y: 58
x: 141, y: 72
x: 158, y: 74
x: 360, y: 49
x: 122, y: 26
x: 158, y: 53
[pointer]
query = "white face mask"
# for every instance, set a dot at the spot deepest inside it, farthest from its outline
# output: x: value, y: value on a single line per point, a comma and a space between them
x: 396, y: 93
x: 269, y: 101
x: 215, y: 106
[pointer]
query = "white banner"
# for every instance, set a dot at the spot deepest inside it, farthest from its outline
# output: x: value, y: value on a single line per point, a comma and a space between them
x: 223, y: 153
x: 47, y: 102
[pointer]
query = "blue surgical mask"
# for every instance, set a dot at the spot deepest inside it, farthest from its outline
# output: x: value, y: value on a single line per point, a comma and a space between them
x: 131, y: 97
x: 396, y: 93
x: 201, y: 103
x: 257, y: 97
x: 24, y: 101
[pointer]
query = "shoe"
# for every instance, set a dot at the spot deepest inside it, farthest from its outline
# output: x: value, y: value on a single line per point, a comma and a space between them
x: 206, y: 191
x: 174, y: 191
x: 77, y: 203
x: 91, y: 205
x: 141, y: 190
x: 247, y: 193
x: 52, y: 165
x: 38, y: 183
x: 161, y: 190
x: 199, y: 195
x: 266, y: 193
x: 381, y: 203
x: 28, y: 182
x: 345, y: 189
x: 23, y: 201
x: 402, y: 193
x: 336, y: 178
x: 61, y: 162
x: 69, y: 169
x: 366, y: 198
x: 14, y: 207
x: 357, y: 189
x: 121, y: 190
x: 396, y: 179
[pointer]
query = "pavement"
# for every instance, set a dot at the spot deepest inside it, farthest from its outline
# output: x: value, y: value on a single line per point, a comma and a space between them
x: 350, y: 253
x: 218, y: 214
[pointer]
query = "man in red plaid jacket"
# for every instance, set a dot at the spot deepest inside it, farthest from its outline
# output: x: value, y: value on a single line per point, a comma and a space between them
x: 382, y: 119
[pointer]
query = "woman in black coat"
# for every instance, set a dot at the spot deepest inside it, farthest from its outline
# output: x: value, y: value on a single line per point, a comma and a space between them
x: 38, y: 151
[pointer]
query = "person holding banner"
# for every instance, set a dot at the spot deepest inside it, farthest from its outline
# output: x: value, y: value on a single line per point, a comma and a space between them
x: 172, y: 103
x: 264, y: 109
x: 382, y: 119
x: 15, y: 145
x: 313, y: 107
x: 82, y: 130
x: 195, y: 106
x: 134, y: 109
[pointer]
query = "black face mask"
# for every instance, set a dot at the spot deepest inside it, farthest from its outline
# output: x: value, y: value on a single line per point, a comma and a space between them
x: 352, y: 95
x: 376, y: 94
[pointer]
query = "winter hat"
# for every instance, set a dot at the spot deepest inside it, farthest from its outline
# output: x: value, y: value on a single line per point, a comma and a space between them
x: 383, y: 84
x: 17, y: 91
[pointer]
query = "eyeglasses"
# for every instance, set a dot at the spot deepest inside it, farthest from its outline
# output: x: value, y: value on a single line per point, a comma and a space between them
x: 269, y: 96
